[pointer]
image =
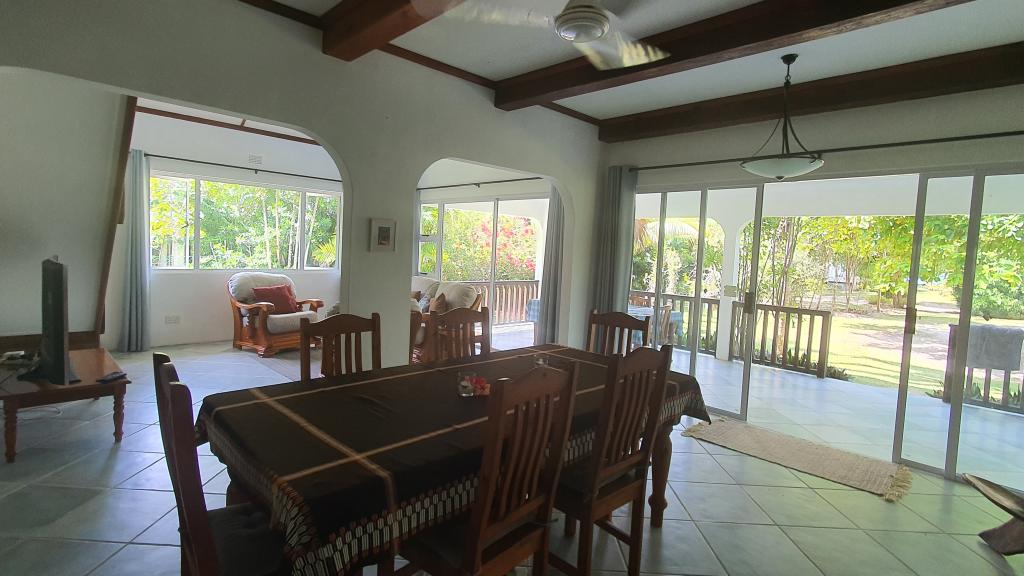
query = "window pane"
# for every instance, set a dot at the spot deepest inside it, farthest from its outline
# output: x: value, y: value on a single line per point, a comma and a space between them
x: 248, y: 227
x: 170, y: 221
x: 428, y: 219
x: 428, y: 258
x: 322, y: 230
x: 467, y: 242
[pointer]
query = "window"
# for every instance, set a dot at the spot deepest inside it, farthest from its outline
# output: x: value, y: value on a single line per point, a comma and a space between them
x: 322, y: 230
x: 427, y: 262
x: 240, y: 226
x: 171, y: 232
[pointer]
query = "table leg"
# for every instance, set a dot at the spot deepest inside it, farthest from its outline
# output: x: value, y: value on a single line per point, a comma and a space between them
x: 118, y: 415
x: 10, y: 428
x: 661, y: 461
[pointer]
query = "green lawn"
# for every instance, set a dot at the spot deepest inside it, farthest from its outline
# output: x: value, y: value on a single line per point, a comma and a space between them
x: 869, y: 345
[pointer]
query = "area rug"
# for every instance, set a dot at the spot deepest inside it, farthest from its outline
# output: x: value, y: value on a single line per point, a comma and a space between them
x: 888, y: 480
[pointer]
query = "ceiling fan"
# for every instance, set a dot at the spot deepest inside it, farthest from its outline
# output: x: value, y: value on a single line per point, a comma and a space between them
x: 594, y: 27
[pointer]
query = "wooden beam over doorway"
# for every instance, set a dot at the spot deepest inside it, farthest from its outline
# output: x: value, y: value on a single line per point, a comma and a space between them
x: 355, y: 27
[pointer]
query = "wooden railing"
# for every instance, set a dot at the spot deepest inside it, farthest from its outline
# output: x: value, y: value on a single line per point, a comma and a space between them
x: 508, y: 303
x: 675, y: 331
x: 986, y: 394
x: 785, y: 337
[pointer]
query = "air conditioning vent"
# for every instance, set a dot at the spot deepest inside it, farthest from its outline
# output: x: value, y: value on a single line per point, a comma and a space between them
x: 256, y: 159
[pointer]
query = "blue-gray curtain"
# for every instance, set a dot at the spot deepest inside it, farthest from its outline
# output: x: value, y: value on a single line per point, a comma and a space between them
x: 613, y: 240
x: 551, y: 286
x: 135, y: 318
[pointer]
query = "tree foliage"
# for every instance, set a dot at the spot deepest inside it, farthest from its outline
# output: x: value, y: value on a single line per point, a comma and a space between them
x: 468, y: 239
x: 240, y: 226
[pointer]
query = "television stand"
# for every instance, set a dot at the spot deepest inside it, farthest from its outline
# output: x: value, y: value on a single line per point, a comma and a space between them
x: 89, y: 364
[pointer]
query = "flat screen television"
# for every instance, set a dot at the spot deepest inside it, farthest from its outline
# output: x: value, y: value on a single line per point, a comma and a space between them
x: 54, y: 364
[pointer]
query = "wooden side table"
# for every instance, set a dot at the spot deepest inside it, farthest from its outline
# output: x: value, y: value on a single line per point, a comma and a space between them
x: 88, y: 364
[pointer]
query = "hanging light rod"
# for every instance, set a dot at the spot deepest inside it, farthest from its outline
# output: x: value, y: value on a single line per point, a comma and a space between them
x: 787, y: 163
x: 945, y: 140
x: 479, y: 184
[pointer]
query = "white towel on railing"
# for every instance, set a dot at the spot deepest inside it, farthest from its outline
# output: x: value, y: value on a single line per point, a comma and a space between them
x: 996, y: 347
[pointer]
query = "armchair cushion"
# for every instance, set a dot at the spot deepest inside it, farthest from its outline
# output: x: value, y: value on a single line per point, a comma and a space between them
x: 282, y: 297
x: 241, y: 284
x: 457, y: 294
x: 281, y: 323
x: 424, y: 285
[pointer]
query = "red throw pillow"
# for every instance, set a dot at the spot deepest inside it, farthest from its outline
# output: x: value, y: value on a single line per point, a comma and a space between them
x: 282, y: 297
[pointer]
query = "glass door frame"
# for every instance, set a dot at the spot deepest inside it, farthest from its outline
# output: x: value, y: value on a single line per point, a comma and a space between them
x: 750, y: 302
x: 975, y: 214
x: 441, y: 203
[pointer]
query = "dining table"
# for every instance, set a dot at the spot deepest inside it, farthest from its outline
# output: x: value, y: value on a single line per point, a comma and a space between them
x: 348, y: 466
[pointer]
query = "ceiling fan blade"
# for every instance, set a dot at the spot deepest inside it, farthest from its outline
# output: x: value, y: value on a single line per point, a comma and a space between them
x: 616, y: 49
x: 490, y: 13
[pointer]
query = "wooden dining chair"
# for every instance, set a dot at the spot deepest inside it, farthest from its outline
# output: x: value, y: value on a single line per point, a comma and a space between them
x: 230, y: 541
x: 524, y: 440
x: 615, y: 474
x: 342, y: 337
x: 454, y: 336
x: 613, y: 333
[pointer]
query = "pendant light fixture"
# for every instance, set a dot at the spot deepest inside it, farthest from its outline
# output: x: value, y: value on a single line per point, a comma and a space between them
x: 788, y: 164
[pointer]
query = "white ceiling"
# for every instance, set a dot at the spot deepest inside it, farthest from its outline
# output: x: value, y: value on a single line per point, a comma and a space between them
x: 497, y: 51
x: 971, y: 26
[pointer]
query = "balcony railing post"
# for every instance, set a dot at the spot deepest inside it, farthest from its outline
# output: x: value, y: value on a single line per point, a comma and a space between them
x: 826, y: 333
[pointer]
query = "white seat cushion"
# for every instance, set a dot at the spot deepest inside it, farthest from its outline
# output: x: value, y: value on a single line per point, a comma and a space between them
x: 241, y: 284
x: 457, y: 294
x: 281, y: 323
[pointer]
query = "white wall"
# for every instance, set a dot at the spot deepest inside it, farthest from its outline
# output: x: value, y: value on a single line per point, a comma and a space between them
x: 385, y: 120
x: 188, y: 306
x: 57, y: 161
x: 996, y: 110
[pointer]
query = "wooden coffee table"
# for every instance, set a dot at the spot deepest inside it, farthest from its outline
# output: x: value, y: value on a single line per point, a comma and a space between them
x: 88, y: 364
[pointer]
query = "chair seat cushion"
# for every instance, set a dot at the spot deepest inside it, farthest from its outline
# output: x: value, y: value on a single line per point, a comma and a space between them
x: 457, y: 294
x: 246, y: 546
x: 445, y: 544
x: 281, y: 323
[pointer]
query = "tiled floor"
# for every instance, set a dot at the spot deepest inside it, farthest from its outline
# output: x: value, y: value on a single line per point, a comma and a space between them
x: 76, y: 504
x: 861, y: 418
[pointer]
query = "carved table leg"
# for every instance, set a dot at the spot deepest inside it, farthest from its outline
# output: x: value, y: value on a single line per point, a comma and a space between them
x: 119, y: 415
x: 1006, y: 539
x: 661, y: 461
x: 10, y: 428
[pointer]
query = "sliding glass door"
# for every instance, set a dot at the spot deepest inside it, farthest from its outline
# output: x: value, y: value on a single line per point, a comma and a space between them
x: 689, y: 272
x: 495, y: 245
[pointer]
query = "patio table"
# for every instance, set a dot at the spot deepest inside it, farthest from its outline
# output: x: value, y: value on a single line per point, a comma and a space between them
x: 347, y: 466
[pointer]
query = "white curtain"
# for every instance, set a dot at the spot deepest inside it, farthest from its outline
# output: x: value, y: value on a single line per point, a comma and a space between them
x: 551, y: 286
x: 135, y: 319
x: 614, y: 239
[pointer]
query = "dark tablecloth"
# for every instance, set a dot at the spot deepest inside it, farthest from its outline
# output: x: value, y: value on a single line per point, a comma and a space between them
x: 347, y: 464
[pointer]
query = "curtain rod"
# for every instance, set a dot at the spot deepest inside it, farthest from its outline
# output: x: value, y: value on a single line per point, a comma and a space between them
x: 256, y: 170
x: 479, y: 184
x: 842, y: 149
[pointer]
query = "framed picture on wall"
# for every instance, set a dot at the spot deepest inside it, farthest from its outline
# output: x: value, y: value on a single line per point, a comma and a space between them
x: 382, y: 235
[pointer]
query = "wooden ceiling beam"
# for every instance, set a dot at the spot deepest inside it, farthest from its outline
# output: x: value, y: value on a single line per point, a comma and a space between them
x: 964, y: 72
x: 761, y: 27
x: 356, y: 27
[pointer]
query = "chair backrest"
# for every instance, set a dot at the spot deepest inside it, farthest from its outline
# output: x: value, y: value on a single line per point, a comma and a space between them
x: 342, y: 337
x: 613, y: 332
x: 634, y: 394
x: 665, y: 324
x: 453, y: 333
x: 174, y: 405
x: 524, y: 443
x: 240, y: 284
